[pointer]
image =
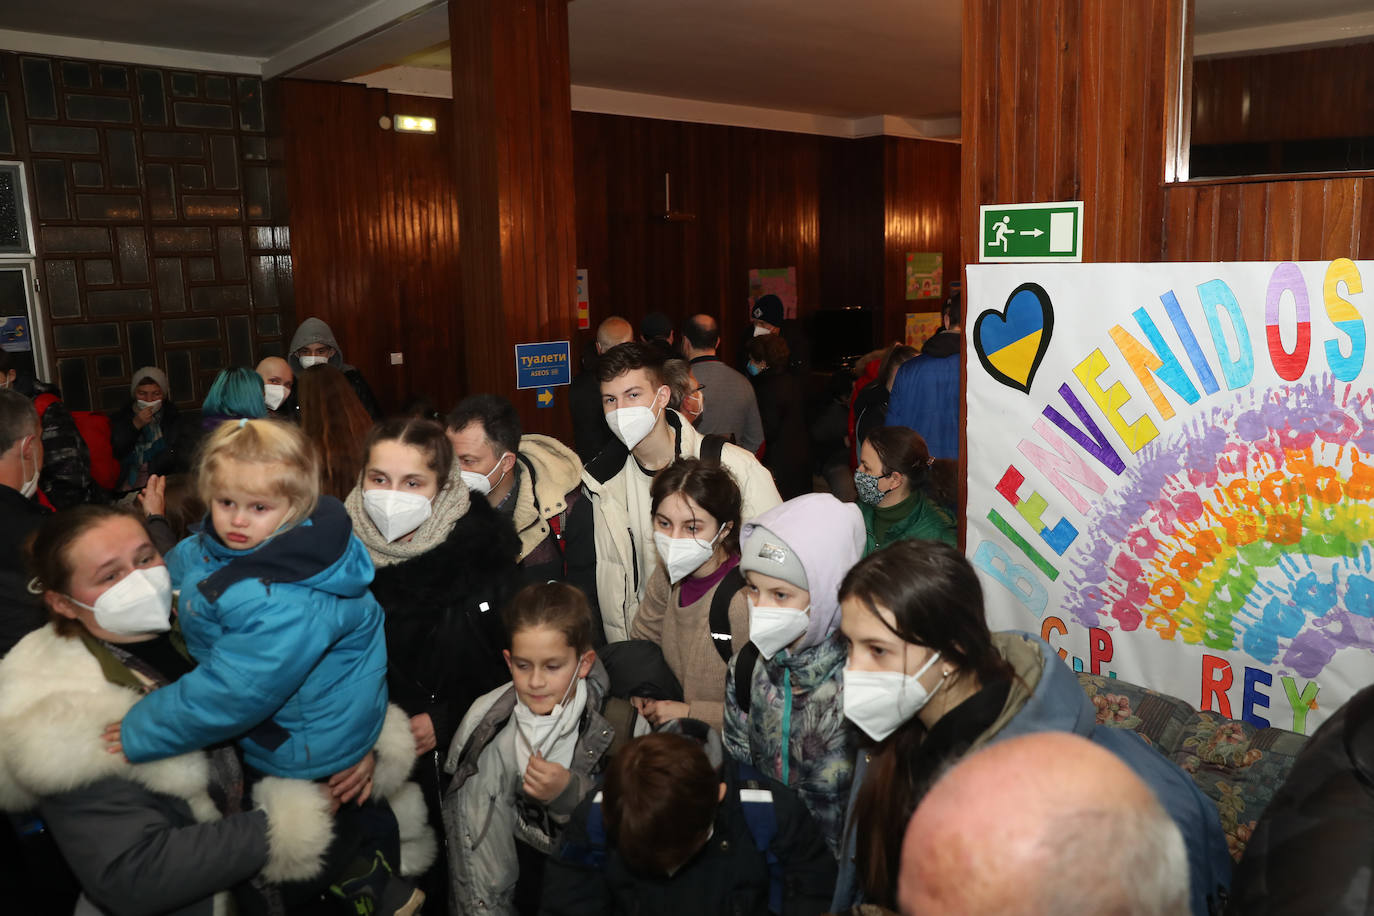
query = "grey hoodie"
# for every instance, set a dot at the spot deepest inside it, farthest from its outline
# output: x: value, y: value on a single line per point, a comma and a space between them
x: 315, y: 331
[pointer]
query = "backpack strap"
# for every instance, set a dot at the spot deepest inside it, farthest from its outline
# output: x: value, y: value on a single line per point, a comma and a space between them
x: 721, y: 637
x: 744, y: 675
x: 711, y: 447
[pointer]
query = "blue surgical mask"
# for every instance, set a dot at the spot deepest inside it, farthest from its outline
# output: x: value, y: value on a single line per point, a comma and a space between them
x: 752, y: 369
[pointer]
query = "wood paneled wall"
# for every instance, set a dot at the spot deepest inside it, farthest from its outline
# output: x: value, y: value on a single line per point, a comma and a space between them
x: 1064, y: 100
x: 374, y: 235
x: 513, y: 170
x: 921, y: 213
x: 1307, y: 220
x: 1295, y: 95
x: 842, y: 212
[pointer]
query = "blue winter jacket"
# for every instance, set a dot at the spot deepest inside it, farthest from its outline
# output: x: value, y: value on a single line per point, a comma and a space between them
x: 1058, y: 704
x: 292, y: 660
x: 925, y: 397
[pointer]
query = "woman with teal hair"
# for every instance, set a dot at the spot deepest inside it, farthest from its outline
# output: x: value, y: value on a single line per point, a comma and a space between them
x: 236, y: 394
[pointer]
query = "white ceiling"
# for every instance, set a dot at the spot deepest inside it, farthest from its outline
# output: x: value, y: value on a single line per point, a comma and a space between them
x: 857, y: 58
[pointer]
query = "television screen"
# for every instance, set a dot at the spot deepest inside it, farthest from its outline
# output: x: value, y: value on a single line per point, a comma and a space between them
x: 840, y: 336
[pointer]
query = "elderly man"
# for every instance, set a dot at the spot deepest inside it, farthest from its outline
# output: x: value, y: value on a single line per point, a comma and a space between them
x: 1027, y: 827
x: 278, y: 382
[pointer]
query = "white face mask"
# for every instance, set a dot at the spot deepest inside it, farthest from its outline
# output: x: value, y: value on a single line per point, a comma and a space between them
x: 481, y: 483
x: 139, y: 603
x: 308, y: 361
x: 880, y: 701
x: 683, y: 556
x: 273, y: 395
x: 141, y: 406
x: 773, y: 629
x: 396, y: 513
x: 30, y: 484
x: 760, y: 331
x: 631, y: 424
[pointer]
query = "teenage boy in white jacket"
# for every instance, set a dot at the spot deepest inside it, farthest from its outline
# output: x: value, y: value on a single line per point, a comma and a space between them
x: 634, y: 396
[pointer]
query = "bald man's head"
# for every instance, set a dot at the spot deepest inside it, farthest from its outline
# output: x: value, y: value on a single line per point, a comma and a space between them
x: 276, y: 371
x: 613, y: 332
x: 702, y: 334
x: 1008, y: 830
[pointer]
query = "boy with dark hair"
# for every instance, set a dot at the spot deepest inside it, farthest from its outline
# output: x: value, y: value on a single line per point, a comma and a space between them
x: 634, y: 396
x: 679, y: 829
x: 534, y: 481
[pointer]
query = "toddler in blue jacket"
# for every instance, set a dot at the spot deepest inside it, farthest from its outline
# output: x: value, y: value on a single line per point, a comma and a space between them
x: 274, y: 607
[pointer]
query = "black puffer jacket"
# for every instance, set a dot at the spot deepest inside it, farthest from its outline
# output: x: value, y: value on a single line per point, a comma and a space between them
x: 1312, y: 848
x: 443, y: 648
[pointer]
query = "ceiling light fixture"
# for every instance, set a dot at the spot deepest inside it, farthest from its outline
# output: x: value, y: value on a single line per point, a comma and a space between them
x: 412, y: 124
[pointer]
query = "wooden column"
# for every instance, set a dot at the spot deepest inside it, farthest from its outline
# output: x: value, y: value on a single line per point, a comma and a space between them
x: 513, y: 125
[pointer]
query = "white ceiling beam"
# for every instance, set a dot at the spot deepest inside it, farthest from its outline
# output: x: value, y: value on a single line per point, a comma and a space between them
x: 120, y: 52
x: 371, y: 32
x: 1284, y: 36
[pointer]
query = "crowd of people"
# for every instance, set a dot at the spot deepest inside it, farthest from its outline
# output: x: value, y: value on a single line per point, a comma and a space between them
x: 719, y: 656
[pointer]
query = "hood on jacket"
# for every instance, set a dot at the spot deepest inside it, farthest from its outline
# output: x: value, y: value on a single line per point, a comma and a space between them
x: 828, y: 537
x: 551, y: 471
x: 1045, y: 694
x: 154, y: 373
x: 321, y: 553
x: 313, y: 331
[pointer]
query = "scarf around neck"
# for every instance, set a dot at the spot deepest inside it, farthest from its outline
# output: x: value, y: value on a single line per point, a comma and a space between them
x: 449, y: 505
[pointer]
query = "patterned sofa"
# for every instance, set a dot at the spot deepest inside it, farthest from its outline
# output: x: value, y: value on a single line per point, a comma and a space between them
x: 1235, y: 764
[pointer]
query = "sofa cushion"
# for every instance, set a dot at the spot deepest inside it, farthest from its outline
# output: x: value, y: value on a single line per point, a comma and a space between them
x: 1237, y: 766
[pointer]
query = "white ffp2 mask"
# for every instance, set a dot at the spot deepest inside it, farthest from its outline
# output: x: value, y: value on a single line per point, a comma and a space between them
x: 396, y: 513
x: 879, y: 702
x: 308, y: 361
x: 683, y: 556
x: 273, y: 395
x: 631, y: 424
x: 139, y: 603
x: 773, y: 629
x: 481, y: 483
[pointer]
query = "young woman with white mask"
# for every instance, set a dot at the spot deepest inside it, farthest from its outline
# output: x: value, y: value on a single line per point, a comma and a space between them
x: 445, y: 565
x: 784, y: 696
x: 696, y: 507
x: 929, y: 683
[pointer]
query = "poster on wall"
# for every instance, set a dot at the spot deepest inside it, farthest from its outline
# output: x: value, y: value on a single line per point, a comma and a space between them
x: 584, y: 304
x: 921, y: 326
x: 14, y: 334
x: 924, y: 275
x: 1171, y: 475
x: 780, y: 281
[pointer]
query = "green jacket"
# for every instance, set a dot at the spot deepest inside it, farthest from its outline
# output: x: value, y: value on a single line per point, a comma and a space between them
x: 927, y: 521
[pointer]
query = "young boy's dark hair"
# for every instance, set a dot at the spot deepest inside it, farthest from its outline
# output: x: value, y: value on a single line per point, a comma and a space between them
x: 626, y: 357
x: 556, y: 605
x: 659, y: 801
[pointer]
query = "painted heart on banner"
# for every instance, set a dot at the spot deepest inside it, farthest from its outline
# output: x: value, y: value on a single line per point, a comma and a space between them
x: 1011, y: 343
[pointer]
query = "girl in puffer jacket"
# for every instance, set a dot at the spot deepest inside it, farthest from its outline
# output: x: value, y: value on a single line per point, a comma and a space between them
x: 784, y: 709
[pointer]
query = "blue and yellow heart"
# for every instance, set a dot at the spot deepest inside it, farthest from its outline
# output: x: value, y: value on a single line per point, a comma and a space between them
x: 1011, y: 343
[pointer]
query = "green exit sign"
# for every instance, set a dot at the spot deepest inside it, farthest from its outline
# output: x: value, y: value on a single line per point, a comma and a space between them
x: 1031, y: 232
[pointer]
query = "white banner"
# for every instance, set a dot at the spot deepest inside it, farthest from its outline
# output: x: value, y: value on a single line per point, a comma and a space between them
x: 1171, y: 475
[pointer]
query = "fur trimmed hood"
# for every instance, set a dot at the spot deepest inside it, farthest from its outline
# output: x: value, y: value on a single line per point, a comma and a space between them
x: 54, y: 706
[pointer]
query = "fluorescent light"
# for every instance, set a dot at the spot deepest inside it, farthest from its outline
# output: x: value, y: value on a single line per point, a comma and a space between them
x: 413, y: 124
